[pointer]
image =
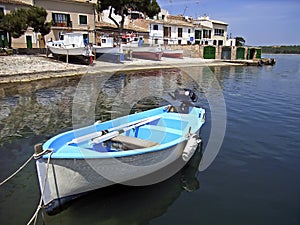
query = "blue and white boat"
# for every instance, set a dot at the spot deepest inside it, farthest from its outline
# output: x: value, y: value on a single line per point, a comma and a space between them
x: 117, y: 151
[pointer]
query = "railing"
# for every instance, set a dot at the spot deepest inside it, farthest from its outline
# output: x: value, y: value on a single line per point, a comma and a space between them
x: 63, y: 24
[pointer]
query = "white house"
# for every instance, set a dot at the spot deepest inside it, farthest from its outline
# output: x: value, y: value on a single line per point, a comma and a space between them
x: 211, y: 32
x: 168, y: 30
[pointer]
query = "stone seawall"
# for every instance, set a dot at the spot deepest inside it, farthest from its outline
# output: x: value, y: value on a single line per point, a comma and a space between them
x: 221, y: 52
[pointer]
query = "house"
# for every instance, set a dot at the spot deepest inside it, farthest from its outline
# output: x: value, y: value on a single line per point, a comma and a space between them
x: 80, y: 16
x: 134, y: 23
x: 70, y: 16
x: 171, y: 30
x: 210, y: 32
x: 66, y: 15
x: 26, y: 40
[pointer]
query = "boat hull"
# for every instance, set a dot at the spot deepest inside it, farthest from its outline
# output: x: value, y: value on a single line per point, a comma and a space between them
x: 173, y: 54
x: 106, y: 50
x: 146, y: 52
x: 108, y: 54
x: 71, y: 177
x: 125, y: 150
x: 71, y: 51
x: 147, y: 55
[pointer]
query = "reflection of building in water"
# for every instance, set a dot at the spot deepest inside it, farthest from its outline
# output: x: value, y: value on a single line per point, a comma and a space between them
x: 45, y: 106
x: 35, y: 112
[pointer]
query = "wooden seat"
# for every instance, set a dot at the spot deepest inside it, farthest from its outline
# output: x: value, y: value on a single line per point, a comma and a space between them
x: 133, y: 142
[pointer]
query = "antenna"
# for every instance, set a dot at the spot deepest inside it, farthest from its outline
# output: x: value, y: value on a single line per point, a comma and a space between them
x: 197, y: 5
x: 185, y: 10
x: 170, y: 1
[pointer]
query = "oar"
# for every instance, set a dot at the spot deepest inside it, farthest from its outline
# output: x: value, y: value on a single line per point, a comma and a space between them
x: 113, y: 134
x: 100, y: 133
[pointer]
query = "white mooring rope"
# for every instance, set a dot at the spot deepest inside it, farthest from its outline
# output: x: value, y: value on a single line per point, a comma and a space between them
x: 17, y: 171
x: 36, y: 156
x: 34, y: 217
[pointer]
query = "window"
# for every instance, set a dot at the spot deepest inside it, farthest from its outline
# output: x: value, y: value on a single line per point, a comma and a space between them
x: 82, y: 20
x: 167, y: 32
x: 189, y: 31
x: 219, y: 32
x: 61, y: 20
x: 197, y: 34
x: 1, y: 12
x: 220, y: 42
x: 179, y: 32
x: 155, y: 27
x: 206, y: 33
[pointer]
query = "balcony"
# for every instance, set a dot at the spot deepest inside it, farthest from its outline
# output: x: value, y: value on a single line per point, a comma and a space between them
x: 62, y: 24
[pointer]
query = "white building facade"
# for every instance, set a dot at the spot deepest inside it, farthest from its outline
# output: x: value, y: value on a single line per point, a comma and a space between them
x: 166, y: 29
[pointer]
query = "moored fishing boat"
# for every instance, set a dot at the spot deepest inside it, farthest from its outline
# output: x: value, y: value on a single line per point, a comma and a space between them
x: 117, y: 151
x: 170, y: 53
x: 106, y: 46
x: 69, y: 44
x: 105, y: 50
x: 147, y: 52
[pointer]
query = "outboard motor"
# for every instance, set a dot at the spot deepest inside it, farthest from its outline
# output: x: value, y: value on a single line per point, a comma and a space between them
x: 186, y: 97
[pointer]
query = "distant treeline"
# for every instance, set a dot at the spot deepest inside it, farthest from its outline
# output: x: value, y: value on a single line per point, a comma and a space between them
x: 295, y: 49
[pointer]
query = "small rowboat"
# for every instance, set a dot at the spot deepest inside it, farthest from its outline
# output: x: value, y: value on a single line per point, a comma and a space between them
x: 173, y: 53
x: 116, y: 151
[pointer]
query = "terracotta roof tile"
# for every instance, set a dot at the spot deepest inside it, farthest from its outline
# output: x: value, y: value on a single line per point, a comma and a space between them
x: 174, y: 20
x: 103, y: 24
x: 138, y: 25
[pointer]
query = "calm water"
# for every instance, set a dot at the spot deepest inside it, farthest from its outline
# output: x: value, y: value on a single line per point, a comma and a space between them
x: 253, y: 180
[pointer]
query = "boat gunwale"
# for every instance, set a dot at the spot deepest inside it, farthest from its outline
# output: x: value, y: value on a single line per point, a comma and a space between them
x: 90, y: 154
x: 83, y: 153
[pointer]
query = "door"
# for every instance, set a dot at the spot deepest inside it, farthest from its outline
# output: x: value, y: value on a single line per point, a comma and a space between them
x: 226, y: 53
x: 29, y: 41
x: 209, y: 52
x: 240, y: 53
x: 41, y: 41
x: 258, y: 53
x: 3, y: 39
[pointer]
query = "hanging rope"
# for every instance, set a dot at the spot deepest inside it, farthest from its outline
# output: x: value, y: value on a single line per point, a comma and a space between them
x: 18, y: 170
x: 36, y: 155
x: 35, y: 215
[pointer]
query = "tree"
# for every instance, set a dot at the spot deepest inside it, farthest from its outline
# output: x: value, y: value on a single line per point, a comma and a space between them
x: 14, y: 23
x: 240, y: 41
x: 17, y: 21
x: 36, y: 19
x: 121, y: 7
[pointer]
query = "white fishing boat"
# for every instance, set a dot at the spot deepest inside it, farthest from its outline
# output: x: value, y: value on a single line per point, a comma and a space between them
x: 70, y: 44
x: 106, y: 46
x: 107, y: 50
x: 118, y: 151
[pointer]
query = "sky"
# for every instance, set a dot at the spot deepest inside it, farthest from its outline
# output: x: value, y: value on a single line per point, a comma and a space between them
x: 259, y: 22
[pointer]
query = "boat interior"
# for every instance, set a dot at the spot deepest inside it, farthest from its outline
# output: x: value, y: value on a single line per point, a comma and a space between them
x: 157, y: 128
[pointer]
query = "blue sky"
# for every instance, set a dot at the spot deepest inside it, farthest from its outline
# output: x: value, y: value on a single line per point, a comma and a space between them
x: 260, y: 22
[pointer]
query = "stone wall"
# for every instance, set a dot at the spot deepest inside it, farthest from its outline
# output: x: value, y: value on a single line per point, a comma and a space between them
x: 196, y: 51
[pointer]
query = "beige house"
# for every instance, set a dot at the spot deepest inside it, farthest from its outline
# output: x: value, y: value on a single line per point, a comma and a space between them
x: 66, y: 15
x: 5, y: 7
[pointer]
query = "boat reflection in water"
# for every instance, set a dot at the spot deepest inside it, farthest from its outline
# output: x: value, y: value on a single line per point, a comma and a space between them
x: 120, y: 204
